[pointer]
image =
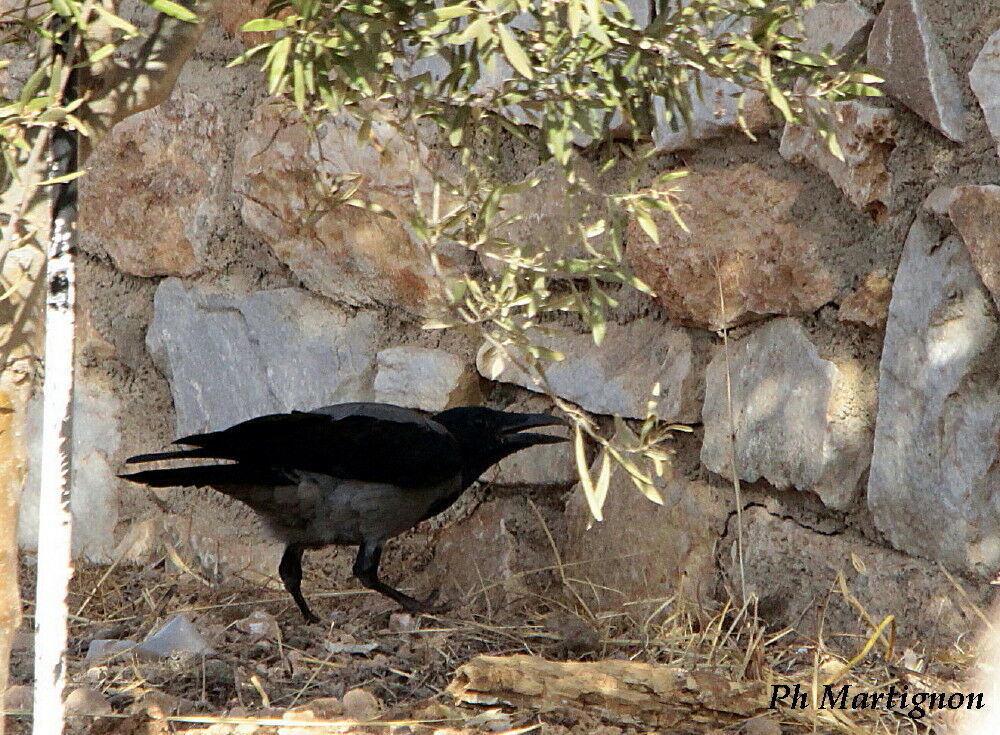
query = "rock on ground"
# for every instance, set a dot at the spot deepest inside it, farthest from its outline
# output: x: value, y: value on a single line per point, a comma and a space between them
x: 617, y: 377
x: 790, y: 568
x: 744, y: 231
x: 904, y: 45
x: 936, y: 465
x: 213, y: 549
x: 229, y: 359
x: 86, y: 701
x: 425, y: 378
x: 799, y: 420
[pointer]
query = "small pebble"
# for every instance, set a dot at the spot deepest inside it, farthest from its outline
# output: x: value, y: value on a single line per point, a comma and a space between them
x: 761, y: 725
x: 156, y: 704
x: 86, y: 701
x: 360, y: 704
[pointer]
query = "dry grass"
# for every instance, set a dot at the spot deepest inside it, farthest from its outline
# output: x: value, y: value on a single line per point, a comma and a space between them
x: 257, y: 679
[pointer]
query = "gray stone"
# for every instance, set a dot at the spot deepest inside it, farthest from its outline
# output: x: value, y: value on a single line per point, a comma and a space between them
x: 96, y: 437
x: 935, y: 467
x: 86, y: 701
x: 409, y: 66
x: 714, y: 108
x: 428, y: 379
x: 984, y: 77
x: 866, y: 136
x: 230, y: 359
x: 360, y: 704
x: 798, y: 419
x: 617, y: 377
x: 905, y: 47
x: 841, y: 26
x: 641, y: 11
x: 177, y: 636
x: 791, y: 568
x: 214, y: 548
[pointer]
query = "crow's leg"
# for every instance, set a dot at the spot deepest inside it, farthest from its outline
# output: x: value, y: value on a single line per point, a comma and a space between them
x: 366, y: 570
x: 290, y: 571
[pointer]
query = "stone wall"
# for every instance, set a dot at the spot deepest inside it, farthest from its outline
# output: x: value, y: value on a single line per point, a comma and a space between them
x: 863, y: 363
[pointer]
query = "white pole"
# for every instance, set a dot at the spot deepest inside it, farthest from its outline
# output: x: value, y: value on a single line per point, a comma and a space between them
x: 55, y: 565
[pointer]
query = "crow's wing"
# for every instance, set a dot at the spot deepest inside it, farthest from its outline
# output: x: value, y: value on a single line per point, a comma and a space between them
x: 372, y: 442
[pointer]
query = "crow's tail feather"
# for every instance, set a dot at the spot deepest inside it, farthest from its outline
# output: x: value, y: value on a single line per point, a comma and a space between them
x: 210, y: 476
x: 177, y: 454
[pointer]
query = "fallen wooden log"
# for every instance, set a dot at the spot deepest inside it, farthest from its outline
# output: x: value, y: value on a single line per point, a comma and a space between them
x: 624, y: 691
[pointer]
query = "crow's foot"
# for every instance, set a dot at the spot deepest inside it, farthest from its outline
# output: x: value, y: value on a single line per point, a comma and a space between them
x: 427, y: 606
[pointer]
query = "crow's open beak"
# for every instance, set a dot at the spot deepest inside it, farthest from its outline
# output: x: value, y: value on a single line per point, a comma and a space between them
x: 513, y: 431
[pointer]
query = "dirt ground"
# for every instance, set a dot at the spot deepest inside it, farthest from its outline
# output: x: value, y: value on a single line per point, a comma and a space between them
x: 269, y: 672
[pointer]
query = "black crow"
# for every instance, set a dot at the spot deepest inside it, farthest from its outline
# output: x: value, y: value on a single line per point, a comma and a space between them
x: 350, y: 474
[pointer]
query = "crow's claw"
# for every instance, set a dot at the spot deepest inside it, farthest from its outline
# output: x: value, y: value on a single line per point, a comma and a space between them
x: 426, y: 606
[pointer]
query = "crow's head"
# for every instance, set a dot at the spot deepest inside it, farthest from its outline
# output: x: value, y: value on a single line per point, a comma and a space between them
x: 486, y: 435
